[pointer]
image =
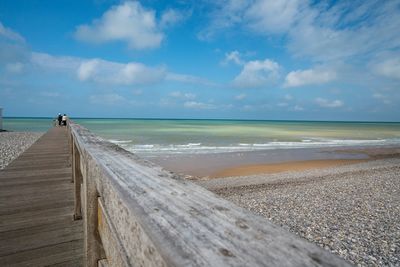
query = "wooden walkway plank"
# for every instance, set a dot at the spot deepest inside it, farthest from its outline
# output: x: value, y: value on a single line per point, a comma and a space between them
x: 7, y: 174
x: 40, y: 205
x: 36, y: 207
x: 50, y: 216
x: 56, y: 255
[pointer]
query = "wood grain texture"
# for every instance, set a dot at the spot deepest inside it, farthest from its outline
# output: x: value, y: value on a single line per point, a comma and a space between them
x: 160, y: 219
x: 36, y: 207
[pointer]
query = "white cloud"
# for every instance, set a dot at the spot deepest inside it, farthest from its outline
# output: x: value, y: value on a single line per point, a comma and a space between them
x: 128, y: 22
x: 345, y: 30
x: 257, y: 73
x: 50, y: 94
x: 100, y: 71
x: 240, y: 97
x: 198, y: 105
x: 389, y: 68
x: 87, y: 69
x: 178, y: 94
x: 282, y: 104
x: 273, y: 16
x: 107, y: 99
x: 55, y: 63
x: 15, y: 54
x: 110, y: 72
x: 103, y: 71
x: 16, y: 67
x: 328, y: 104
x: 227, y: 13
x: 261, y: 16
x: 288, y: 97
x: 384, y: 98
x: 316, y: 31
x: 137, y: 92
x: 188, y: 79
x: 298, y: 108
x: 10, y: 34
x: 233, y: 56
x: 248, y: 108
x: 171, y: 17
x: 182, y: 78
x: 310, y: 76
x: 137, y: 73
x: 189, y: 96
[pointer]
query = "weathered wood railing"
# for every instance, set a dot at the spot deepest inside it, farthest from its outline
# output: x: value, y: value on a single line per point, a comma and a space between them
x: 137, y: 214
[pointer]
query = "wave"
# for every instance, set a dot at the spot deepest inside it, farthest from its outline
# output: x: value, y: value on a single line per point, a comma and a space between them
x: 120, y: 141
x: 199, y: 148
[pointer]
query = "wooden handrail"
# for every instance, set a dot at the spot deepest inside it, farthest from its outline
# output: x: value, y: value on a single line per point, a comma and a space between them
x: 138, y: 214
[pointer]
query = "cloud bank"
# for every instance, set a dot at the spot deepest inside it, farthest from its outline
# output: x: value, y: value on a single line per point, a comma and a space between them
x: 257, y: 73
x: 328, y: 104
x: 129, y: 22
x: 308, y: 77
x: 132, y: 23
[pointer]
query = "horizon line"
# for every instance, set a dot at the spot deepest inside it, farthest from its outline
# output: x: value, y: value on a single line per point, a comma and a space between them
x: 214, y: 119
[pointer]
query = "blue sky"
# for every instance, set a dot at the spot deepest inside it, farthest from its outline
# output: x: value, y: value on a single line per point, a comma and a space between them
x: 258, y: 59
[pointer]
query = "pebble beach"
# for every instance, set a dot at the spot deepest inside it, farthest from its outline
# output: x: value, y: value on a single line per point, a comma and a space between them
x: 352, y: 211
x: 12, y: 144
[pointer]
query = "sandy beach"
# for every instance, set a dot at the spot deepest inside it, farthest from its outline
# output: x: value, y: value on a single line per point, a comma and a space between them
x: 217, y: 165
x: 212, y: 165
x: 282, y: 167
x: 12, y: 144
x: 371, y: 153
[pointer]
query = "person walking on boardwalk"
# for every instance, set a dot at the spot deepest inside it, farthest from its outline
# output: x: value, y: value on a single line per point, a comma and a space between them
x: 59, y: 118
x: 64, y: 120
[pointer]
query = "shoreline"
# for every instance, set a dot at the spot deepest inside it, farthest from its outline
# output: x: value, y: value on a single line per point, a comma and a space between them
x: 214, y: 165
x: 268, y: 168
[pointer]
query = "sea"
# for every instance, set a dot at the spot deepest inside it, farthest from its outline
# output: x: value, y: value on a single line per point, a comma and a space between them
x: 155, y: 137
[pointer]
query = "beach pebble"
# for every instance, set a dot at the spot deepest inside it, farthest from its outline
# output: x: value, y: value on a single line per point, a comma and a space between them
x: 354, y: 213
x: 12, y: 144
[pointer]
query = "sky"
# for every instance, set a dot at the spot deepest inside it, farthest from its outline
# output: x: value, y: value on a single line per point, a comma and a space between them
x: 226, y: 59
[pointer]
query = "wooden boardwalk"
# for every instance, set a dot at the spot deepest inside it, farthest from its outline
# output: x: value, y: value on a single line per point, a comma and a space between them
x: 36, y: 207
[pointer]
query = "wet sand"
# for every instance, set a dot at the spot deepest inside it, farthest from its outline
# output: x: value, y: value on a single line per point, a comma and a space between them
x: 282, y: 167
x: 210, y: 166
x: 203, y: 166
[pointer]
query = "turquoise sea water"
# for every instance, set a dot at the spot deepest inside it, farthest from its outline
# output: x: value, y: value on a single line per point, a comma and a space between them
x: 149, y: 136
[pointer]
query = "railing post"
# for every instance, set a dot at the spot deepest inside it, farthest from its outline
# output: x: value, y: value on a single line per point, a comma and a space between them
x: 71, y: 150
x: 77, y: 177
x: 92, y: 242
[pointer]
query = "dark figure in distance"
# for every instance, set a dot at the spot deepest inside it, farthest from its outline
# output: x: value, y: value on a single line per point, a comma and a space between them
x: 64, y: 120
x: 59, y: 118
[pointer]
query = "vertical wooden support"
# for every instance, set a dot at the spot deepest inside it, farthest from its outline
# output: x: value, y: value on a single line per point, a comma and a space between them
x: 77, y: 177
x: 92, y: 243
x: 71, y: 152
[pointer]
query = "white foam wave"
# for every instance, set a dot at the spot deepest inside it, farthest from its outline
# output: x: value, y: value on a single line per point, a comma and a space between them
x: 199, y: 148
x: 119, y: 141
